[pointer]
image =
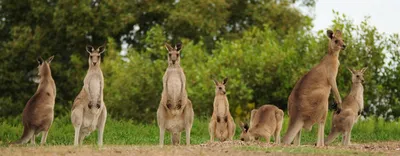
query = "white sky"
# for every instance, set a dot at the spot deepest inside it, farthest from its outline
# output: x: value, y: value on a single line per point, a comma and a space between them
x: 385, y: 14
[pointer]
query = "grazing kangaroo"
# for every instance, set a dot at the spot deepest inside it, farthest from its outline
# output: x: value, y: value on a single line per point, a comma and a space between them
x: 175, y: 112
x: 349, y: 111
x: 221, y: 125
x: 38, y: 113
x: 89, y: 111
x: 308, y: 101
x: 265, y: 122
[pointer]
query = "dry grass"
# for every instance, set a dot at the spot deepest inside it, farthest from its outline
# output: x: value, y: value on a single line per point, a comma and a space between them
x: 210, y: 148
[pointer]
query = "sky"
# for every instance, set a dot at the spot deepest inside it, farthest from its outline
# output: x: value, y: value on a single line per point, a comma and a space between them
x: 384, y: 13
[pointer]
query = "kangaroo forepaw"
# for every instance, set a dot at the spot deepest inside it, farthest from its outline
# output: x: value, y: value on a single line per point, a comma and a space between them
x: 98, y: 104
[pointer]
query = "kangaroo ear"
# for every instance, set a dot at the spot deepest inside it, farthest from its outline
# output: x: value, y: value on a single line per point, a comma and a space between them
x: 40, y: 60
x: 178, y: 46
x: 50, y: 59
x: 169, y: 48
x: 363, y: 70
x: 225, y: 80
x: 246, y: 127
x: 101, y: 49
x: 329, y: 33
x: 89, y: 49
x: 338, y: 33
x: 351, y: 70
x: 215, y: 81
x: 241, y: 124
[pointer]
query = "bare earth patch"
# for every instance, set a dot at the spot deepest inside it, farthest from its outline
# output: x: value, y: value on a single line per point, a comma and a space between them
x: 211, y: 148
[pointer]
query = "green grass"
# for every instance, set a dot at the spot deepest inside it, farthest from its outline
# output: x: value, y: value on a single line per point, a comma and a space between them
x: 125, y: 132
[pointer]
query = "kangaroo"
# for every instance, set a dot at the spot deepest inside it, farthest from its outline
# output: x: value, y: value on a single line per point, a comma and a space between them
x: 89, y: 111
x: 308, y: 101
x: 265, y: 122
x: 175, y: 112
x: 349, y: 111
x: 221, y: 125
x: 38, y: 113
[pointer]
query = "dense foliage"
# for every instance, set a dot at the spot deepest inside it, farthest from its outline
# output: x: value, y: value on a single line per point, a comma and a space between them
x: 262, y: 46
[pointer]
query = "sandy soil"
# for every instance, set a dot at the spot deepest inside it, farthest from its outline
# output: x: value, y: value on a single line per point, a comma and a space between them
x: 212, y: 148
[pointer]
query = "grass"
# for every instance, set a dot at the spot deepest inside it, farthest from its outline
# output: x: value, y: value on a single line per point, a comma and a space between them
x: 126, y: 132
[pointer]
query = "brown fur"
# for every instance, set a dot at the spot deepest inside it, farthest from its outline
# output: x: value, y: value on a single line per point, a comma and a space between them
x: 308, y: 101
x: 265, y: 122
x: 222, y: 125
x: 347, y: 114
x: 38, y: 113
x: 89, y: 111
x: 175, y: 112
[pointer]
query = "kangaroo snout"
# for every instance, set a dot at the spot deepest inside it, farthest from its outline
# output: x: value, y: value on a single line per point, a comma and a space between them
x: 343, y: 47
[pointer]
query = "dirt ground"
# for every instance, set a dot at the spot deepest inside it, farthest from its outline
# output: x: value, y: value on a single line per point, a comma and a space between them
x: 212, y: 148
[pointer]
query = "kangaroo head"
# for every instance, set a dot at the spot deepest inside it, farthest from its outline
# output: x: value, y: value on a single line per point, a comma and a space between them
x: 244, y: 135
x: 336, y: 42
x: 174, y: 54
x: 44, y: 66
x: 220, y: 87
x: 357, y: 76
x: 94, y: 54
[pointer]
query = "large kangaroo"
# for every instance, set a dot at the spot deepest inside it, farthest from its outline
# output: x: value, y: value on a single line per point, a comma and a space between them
x: 221, y: 125
x: 89, y: 111
x: 347, y: 115
x: 308, y: 101
x: 265, y: 122
x: 175, y: 112
x: 38, y: 113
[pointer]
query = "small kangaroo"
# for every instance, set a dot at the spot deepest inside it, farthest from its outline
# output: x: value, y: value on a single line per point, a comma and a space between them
x: 347, y: 114
x: 265, y: 122
x: 221, y: 125
x: 89, y: 111
x: 175, y: 112
x: 308, y: 101
x: 38, y: 113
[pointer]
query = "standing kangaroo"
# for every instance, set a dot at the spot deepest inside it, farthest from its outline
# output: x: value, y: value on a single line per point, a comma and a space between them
x: 347, y: 114
x: 89, y: 111
x: 38, y: 113
x: 175, y: 112
x: 308, y: 101
x: 221, y: 125
x: 265, y: 122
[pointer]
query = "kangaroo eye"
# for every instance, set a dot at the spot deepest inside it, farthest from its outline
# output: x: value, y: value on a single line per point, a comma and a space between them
x: 336, y: 41
x: 358, y: 75
x: 220, y: 87
x: 170, y: 54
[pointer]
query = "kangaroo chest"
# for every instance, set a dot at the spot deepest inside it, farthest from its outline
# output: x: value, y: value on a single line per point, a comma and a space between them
x: 174, y: 86
x: 94, y: 82
x: 221, y: 106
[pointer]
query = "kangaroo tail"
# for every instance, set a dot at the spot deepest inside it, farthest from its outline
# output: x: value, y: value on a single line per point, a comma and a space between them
x: 28, y: 133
